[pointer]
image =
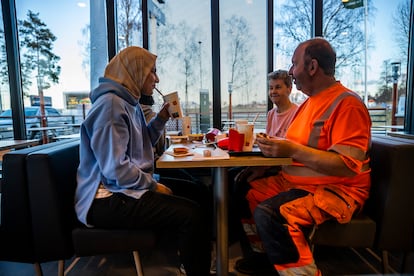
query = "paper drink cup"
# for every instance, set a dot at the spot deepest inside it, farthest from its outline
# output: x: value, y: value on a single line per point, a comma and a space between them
x: 186, y: 125
x: 247, y: 130
x: 175, y: 108
x: 240, y: 122
x: 236, y: 140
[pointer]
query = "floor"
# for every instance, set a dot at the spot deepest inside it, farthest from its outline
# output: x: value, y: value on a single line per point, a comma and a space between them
x: 332, y: 261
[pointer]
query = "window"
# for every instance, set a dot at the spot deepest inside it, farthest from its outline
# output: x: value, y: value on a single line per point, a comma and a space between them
x: 243, y: 60
x: 4, y: 80
x: 292, y: 25
x: 129, y: 20
x: 371, y: 42
x: 64, y: 25
x: 180, y: 35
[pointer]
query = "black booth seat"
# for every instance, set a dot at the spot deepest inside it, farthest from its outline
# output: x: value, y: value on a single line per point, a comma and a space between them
x: 16, y: 237
x: 56, y: 230
x: 387, y: 220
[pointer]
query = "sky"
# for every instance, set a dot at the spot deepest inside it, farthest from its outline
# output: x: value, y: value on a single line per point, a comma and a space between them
x: 67, y: 18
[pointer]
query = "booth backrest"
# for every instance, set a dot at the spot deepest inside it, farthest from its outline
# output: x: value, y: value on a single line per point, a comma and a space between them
x: 387, y: 220
x: 16, y: 238
x: 391, y: 202
x: 57, y: 234
x: 51, y: 184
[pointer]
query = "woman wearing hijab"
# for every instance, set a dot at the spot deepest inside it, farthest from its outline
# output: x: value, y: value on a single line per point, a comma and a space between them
x: 116, y: 187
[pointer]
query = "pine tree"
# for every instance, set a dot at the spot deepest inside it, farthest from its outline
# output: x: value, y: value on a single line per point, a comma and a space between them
x: 36, y: 42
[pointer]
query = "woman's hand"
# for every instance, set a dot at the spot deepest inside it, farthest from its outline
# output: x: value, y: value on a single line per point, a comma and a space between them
x: 164, y: 114
x: 161, y: 188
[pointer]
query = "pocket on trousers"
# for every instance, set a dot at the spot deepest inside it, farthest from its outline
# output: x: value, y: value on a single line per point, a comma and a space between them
x: 335, y: 202
x: 302, y: 211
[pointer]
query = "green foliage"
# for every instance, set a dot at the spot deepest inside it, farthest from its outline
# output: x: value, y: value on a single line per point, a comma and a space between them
x: 38, y: 59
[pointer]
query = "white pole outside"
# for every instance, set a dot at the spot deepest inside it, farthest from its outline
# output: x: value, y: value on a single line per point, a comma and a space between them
x: 366, y: 51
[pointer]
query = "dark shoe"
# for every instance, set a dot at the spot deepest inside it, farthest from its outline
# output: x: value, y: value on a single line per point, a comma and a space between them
x: 255, y: 264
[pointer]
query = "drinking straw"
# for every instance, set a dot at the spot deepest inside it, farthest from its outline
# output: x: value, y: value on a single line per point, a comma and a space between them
x: 255, y: 118
x: 159, y: 91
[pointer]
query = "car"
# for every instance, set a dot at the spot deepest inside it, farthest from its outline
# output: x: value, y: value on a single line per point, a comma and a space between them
x: 33, y: 119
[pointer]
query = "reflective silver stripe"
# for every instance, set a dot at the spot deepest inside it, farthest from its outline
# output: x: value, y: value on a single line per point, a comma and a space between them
x: 354, y: 152
x: 318, y: 124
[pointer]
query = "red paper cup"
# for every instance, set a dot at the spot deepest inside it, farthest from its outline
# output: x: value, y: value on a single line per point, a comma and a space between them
x: 236, y: 140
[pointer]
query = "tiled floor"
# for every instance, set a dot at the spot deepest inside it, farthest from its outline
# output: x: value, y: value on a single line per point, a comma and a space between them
x: 332, y: 261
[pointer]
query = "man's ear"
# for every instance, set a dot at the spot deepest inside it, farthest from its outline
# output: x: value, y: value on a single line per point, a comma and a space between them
x: 313, y: 66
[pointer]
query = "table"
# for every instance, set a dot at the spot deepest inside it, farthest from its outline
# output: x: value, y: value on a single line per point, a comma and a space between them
x: 401, y: 134
x: 67, y: 136
x: 16, y: 144
x: 7, y: 145
x: 34, y: 130
x: 74, y: 126
x: 400, y: 127
x: 220, y: 182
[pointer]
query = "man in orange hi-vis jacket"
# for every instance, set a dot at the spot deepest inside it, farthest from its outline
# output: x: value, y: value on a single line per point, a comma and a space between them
x: 328, y: 141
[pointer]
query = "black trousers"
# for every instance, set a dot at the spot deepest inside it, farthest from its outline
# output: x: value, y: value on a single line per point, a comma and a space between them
x: 176, y: 216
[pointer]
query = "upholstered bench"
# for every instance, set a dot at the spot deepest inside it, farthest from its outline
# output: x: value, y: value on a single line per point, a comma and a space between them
x: 57, y: 234
x: 16, y: 240
x: 387, y: 220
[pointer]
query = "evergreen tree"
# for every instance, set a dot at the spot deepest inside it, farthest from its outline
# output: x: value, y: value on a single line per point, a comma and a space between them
x: 4, y: 74
x: 37, y: 46
x: 36, y: 42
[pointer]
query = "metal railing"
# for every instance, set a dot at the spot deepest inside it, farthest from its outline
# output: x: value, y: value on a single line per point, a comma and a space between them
x: 6, y: 124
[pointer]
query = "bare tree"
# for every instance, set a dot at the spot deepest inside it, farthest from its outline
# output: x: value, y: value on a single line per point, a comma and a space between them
x: 341, y: 26
x: 129, y: 21
x: 401, y: 27
x: 178, y: 48
x: 383, y: 94
x: 240, y: 56
x: 85, y: 48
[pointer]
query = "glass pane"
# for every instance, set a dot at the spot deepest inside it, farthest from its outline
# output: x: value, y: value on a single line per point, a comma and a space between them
x: 387, y: 59
x: 243, y: 61
x: 4, y: 81
x: 180, y: 35
x: 55, y: 53
x: 129, y: 20
x: 371, y: 43
x: 292, y: 25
